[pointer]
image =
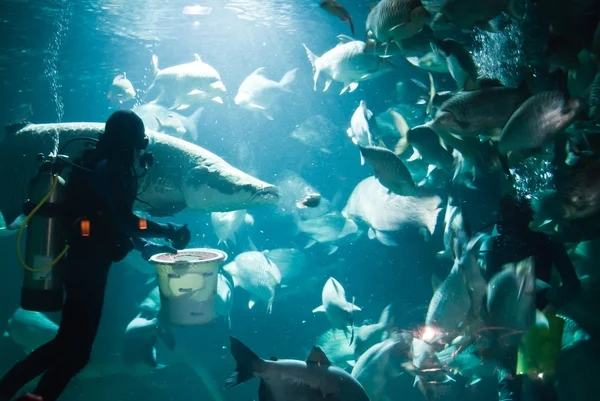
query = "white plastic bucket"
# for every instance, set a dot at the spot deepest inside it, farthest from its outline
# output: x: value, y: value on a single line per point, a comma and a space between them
x: 187, y: 281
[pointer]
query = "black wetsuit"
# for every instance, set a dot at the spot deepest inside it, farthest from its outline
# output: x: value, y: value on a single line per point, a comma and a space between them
x: 512, y: 248
x: 105, y: 197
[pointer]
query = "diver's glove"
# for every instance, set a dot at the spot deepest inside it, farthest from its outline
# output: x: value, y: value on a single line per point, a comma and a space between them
x: 151, y: 248
x: 179, y: 235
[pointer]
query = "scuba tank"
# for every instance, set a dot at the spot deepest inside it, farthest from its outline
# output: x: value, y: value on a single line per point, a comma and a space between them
x: 42, y: 289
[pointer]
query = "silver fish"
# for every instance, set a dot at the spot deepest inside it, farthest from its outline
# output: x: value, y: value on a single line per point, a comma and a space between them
x: 349, y: 64
x: 255, y: 273
x: 259, y: 94
x: 538, y: 121
x: 292, y: 380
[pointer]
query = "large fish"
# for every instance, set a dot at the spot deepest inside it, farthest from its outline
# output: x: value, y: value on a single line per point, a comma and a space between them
x: 538, y: 121
x: 386, y: 213
x: 142, y: 348
x: 511, y: 301
x: 349, y: 64
x: 259, y: 94
x: 361, y: 125
x: 339, y: 311
x: 160, y: 119
x: 329, y: 229
x: 121, y: 90
x: 315, y: 379
x: 394, y: 20
x: 460, y: 62
x: 376, y: 366
x: 30, y: 329
x: 180, y: 84
x: 184, y: 176
x: 227, y: 224
x: 480, y: 112
x: 255, y: 273
x: 466, y: 14
x: 371, y: 334
x: 317, y: 132
x: 293, y: 264
x: 391, y: 172
x: 450, y: 305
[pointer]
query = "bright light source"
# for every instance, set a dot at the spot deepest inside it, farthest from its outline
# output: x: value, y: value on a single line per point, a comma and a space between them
x: 197, y: 10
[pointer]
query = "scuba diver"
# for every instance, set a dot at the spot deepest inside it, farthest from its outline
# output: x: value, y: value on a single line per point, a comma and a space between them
x: 101, y: 190
x: 515, y: 243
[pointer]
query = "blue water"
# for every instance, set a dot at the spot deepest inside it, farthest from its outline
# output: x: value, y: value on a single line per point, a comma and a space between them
x: 61, y: 56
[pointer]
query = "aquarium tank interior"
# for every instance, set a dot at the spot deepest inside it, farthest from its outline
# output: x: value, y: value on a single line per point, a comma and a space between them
x: 300, y: 200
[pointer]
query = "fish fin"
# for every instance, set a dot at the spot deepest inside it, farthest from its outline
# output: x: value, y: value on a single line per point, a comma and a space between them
x: 150, y: 280
x: 386, y: 318
x: 474, y: 380
x: 258, y: 71
x: 415, y: 156
x: 351, y: 363
x: 332, y: 249
x: 353, y: 86
x: 344, y: 89
x: 345, y: 39
x: 400, y: 123
x: 318, y: 357
x: 319, y: 309
x: 155, y: 64
x: 401, y: 146
x: 541, y: 320
x: 432, y: 93
x: 310, y: 243
x: 197, y: 57
x: 313, y: 61
x: 160, y: 124
x: 288, y: 79
x: 264, y: 394
x: 362, y: 159
x: 251, y: 302
x: 267, y: 115
x: 256, y: 106
x: 217, y: 99
x: 394, y: 29
x: 181, y: 107
x: 245, y: 359
x: 385, y: 239
x: 12, y: 228
x: 371, y: 233
x: 218, y: 85
x: 327, y: 85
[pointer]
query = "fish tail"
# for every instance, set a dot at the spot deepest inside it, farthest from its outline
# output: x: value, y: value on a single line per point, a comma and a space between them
x: 313, y: 61
x: 352, y: 321
x: 245, y: 359
x: 288, y: 78
x: 351, y: 26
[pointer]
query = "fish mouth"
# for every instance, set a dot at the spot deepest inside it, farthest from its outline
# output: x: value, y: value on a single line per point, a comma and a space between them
x: 269, y: 195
